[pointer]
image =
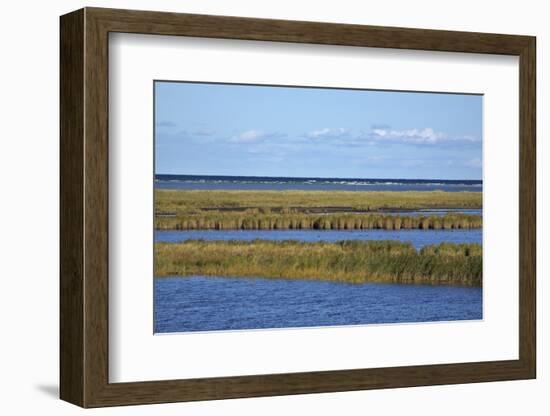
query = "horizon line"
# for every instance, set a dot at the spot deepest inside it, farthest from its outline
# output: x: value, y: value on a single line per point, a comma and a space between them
x: 314, y: 177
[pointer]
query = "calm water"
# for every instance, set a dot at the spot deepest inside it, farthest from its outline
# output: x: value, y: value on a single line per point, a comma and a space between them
x: 218, y: 303
x: 419, y: 238
x: 312, y: 184
x: 436, y: 212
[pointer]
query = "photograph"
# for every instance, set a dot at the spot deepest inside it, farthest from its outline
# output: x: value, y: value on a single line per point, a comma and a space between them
x: 297, y: 207
x: 278, y: 207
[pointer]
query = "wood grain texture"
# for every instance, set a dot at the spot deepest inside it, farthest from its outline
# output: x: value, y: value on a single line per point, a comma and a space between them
x: 225, y: 27
x: 528, y: 207
x: 84, y: 207
x: 71, y: 208
x: 96, y: 208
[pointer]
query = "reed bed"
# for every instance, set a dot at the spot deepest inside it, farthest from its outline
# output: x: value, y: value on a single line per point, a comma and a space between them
x: 345, y: 261
x: 255, y: 220
x: 189, y: 201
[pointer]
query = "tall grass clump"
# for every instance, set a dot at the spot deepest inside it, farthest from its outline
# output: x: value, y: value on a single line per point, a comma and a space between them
x: 345, y: 261
x: 253, y: 220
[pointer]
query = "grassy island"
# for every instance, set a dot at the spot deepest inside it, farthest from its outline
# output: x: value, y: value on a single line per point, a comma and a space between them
x: 184, y: 201
x: 334, y: 210
x: 345, y: 261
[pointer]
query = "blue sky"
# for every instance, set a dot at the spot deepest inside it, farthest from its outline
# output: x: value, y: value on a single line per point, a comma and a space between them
x: 217, y: 129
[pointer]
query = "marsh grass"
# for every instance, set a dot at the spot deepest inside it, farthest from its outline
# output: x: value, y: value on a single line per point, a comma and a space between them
x: 320, y: 210
x: 185, y: 201
x: 253, y: 220
x: 345, y: 261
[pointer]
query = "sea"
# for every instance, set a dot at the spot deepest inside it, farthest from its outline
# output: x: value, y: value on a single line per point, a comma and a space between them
x: 208, y: 182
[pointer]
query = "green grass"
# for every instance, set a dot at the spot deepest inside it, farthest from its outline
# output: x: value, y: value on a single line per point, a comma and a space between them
x: 346, y: 261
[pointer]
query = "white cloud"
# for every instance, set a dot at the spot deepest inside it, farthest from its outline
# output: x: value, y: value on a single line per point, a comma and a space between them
x: 248, y: 136
x: 375, y: 136
x: 251, y: 136
x: 384, y: 134
x: 328, y: 133
x: 417, y: 136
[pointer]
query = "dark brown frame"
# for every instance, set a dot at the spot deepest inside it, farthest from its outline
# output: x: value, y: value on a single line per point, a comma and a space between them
x: 84, y: 209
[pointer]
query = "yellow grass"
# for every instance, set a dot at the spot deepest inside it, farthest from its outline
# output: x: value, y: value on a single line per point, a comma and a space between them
x: 186, y: 201
x: 268, y: 210
x: 345, y: 261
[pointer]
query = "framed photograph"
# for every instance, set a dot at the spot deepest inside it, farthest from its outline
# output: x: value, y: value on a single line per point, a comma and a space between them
x: 254, y: 207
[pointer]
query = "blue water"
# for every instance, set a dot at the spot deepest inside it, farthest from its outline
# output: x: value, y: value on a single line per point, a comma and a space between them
x: 440, y: 212
x: 419, y: 238
x: 312, y: 184
x: 198, y: 303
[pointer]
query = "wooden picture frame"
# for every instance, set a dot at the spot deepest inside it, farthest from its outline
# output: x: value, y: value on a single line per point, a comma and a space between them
x: 84, y: 207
